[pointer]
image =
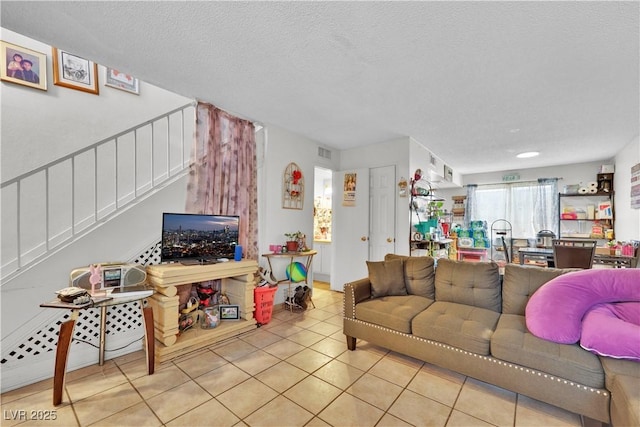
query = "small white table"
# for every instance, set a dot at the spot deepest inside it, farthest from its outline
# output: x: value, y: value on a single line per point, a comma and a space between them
x: 66, y: 333
x: 292, y: 255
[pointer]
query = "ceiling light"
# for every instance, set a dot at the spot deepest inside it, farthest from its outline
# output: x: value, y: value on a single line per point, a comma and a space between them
x: 527, y: 154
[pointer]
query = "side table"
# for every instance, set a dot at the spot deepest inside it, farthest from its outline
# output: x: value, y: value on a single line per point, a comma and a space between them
x: 66, y: 334
x: 292, y: 255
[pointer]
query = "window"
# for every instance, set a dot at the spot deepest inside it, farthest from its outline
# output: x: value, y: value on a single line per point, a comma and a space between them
x: 528, y: 206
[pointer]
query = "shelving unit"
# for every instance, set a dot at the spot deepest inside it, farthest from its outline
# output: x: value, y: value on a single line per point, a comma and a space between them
x: 422, y: 194
x: 587, y: 214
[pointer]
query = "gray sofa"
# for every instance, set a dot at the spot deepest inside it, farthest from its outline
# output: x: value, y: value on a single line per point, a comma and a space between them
x: 462, y: 316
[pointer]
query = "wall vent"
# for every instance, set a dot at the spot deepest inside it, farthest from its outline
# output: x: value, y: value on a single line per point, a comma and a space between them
x: 323, y: 152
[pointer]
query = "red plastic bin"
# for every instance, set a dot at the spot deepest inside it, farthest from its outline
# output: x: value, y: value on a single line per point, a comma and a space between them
x: 263, y: 297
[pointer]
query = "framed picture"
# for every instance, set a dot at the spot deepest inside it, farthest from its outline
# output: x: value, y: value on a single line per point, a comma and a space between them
x: 122, y: 81
x: 448, y: 173
x: 23, y: 66
x: 74, y: 72
x: 229, y: 312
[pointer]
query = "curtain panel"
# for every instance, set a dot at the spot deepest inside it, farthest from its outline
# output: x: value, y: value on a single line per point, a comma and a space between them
x: 222, y: 176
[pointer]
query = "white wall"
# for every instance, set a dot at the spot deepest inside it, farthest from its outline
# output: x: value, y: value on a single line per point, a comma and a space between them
x: 61, y: 120
x: 627, y: 225
x: 276, y: 150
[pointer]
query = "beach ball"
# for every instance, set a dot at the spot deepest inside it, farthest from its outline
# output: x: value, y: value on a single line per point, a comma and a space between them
x: 296, y: 272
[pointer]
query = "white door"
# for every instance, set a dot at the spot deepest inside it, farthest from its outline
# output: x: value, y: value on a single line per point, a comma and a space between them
x: 382, y: 212
x: 350, y: 228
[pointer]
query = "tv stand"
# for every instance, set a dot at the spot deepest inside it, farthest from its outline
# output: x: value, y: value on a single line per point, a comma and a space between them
x: 238, y: 283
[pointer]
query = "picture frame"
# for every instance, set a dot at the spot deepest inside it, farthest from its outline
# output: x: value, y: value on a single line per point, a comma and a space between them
x: 229, y: 312
x: 74, y: 72
x: 119, y: 80
x: 12, y: 71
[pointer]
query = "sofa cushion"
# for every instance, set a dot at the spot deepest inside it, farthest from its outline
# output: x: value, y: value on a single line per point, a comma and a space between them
x: 470, y: 283
x: 419, y: 274
x: 393, y: 312
x: 387, y: 278
x: 512, y: 342
x: 459, y: 325
x: 520, y: 282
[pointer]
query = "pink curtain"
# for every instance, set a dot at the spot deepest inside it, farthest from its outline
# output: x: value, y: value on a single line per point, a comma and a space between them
x: 222, y: 180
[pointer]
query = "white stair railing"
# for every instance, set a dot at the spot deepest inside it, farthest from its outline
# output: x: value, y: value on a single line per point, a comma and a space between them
x: 52, y: 206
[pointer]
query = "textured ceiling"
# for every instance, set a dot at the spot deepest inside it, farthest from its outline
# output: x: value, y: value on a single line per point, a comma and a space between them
x: 475, y: 82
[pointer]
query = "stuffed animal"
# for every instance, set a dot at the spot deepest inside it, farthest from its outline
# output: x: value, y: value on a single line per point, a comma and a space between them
x: 96, y: 276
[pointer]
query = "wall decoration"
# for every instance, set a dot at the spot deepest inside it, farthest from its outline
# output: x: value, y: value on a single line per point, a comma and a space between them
x: 402, y: 187
x: 23, y: 66
x: 349, y: 193
x: 448, y: 173
x: 122, y: 81
x: 293, y: 187
x: 74, y: 72
x: 635, y: 186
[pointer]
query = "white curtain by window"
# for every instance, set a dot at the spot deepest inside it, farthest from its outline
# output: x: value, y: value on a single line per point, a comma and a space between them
x: 528, y: 206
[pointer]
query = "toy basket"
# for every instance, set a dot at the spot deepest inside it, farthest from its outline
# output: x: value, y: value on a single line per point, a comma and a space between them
x: 263, y: 297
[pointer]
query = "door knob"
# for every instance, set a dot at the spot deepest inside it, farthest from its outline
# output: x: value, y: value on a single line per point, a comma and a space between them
x: 363, y: 238
x: 389, y: 240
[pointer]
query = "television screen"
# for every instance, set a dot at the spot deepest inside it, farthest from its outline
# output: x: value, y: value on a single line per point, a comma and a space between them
x: 198, y: 238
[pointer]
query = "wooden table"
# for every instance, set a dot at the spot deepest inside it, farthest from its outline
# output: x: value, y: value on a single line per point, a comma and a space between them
x: 66, y: 334
x: 291, y: 256
x: 538, y: 256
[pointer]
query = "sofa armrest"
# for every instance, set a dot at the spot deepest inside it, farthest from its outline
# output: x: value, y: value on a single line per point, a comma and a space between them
x: 355, y: 292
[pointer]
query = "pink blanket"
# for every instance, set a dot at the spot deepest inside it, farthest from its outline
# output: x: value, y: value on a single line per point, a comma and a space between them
x: 599, y: 308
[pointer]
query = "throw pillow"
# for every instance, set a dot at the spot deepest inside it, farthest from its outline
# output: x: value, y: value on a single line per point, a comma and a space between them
x: 419, y: 274
x: 387, y: 278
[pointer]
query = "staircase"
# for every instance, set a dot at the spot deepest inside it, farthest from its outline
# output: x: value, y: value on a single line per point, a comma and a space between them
x: 53, y: 206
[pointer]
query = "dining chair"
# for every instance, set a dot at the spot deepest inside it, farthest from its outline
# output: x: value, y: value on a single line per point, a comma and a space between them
x: 573, y: 253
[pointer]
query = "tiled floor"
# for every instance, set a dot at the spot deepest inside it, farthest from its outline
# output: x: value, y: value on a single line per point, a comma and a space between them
x: 294, y: 371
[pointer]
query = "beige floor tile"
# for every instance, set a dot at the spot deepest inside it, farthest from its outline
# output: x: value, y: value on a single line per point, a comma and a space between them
x: 234, y: 350
x: 339, y: 374
x: 95, y: 383
x: 205, y: 361
x: 338, y: 320
x: 285, y: 329
x: 162, y: 380
x: 319, y: 314
x: 317, y: 422
x: 279, y: 412
x: 247, y: 397
x: 360, y: 359
x: 135, y: 416
x: 284, y: 349
x: 37, y: 409
x: 389, y: 420
x: 368, y: 388
x: 261, y: 338
x: 103, y: 405
x: 130, y: 357
x: 460, y: 419
x: 222, y: 379
x: 306, y: 338
x: 208, y: 414
x: 419, y: 410
x: 348, y: 410
x: 441, y: 388
x: 309, y: 360
x: 281, y: 377
x: 134, y: 368
x: 325, y: 328
x: 177, y: 401
x: 313, y: 394
x: 394, y: 371
x: 330, y: 347
x: 531, y: 412
x: 59, y: 417
x: 305, y: 321
x: 89, y: 370
x: 256, y: 362
x: 486, y: 402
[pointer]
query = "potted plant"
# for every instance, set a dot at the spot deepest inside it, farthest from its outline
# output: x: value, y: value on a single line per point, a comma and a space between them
x: 613, y: 247
x: 292, y: 241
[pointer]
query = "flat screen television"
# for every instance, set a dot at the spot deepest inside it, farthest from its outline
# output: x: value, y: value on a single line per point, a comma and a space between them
x: 194, y: 238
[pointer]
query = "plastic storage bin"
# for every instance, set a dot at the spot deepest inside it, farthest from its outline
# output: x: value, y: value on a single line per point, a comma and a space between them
x: 263, y: 297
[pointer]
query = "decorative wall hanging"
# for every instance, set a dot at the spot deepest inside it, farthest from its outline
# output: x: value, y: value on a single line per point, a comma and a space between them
x: 122, y: 81
x: 74, y: 72
x: 23, y: 66
x: 293, y: 187
x: 349, y: 193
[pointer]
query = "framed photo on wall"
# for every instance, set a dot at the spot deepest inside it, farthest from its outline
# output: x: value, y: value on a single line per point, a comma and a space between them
x: 23, y: 66
x: 122, y: 81
x: 74, y: 72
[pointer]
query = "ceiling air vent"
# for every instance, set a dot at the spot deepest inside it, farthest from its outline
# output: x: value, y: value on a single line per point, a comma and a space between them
x: 323, y: 152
